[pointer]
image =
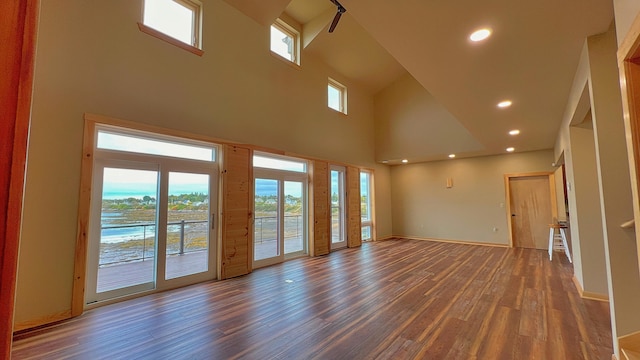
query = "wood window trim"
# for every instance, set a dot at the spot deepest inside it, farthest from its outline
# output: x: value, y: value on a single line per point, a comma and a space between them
x: 173, y: 41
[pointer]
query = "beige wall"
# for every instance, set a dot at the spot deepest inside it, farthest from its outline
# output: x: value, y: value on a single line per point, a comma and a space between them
x: 423, y: 207
x: 586, y: 225
x: 410, y: 122
x: 615, y: 185
x: 596, y: 87
x: 91, y: 57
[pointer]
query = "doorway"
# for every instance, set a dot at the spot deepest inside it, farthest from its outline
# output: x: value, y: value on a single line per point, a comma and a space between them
x: 280, y: 200
x: 152, y: 225
x: 531, y: 208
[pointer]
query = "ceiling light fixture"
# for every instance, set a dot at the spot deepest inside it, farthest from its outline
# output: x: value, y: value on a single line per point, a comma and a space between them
x: 404, y: 161
x: 504, y: 104
x: 511, y: 149
x: 452, y: 156
x: 514, y: 132
x: 480, y: 35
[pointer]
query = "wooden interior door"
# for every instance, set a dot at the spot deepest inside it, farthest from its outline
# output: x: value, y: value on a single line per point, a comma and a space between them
x: 531, y: 210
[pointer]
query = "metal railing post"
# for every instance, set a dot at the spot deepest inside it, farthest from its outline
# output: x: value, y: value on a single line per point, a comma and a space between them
x: 182, y: 237
x: 144, y: 241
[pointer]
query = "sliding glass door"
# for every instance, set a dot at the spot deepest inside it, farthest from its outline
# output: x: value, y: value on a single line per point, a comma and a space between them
x: 338, y: 213
x: 279, y: 209
x: 152, y: 218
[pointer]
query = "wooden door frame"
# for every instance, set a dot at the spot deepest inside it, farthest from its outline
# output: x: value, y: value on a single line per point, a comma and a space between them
x: 507, y: 186
x: 17, y: 44
x: 629, y: 68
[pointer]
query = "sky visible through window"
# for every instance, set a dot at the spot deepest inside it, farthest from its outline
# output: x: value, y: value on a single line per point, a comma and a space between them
x: 281, y: 43
x: 124, y: 183
x: 334, y: 98
x: 279, y: 164
x: 153, y: 147
x: 170, y: 18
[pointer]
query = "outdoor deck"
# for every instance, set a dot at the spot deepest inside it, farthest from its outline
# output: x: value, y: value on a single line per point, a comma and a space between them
x: 139, y: 272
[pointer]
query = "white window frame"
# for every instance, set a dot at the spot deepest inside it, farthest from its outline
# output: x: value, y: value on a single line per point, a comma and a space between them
x: 113, y: 157
x: 282, y: 176
x: 195, y: 46
x: 290, y: 31
x: 368, y: 222
x: 342, y: 107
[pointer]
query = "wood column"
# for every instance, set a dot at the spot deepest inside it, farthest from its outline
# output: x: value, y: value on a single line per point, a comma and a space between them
x: 237, y: 212
x: 354, y: 220
x: 321, y: 209
x: 17, y: 46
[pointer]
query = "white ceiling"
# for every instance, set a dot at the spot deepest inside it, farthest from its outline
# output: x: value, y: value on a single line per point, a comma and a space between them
x: 530, y: 58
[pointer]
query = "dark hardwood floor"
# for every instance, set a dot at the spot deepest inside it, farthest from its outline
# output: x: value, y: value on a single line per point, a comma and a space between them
x: 395, y: 299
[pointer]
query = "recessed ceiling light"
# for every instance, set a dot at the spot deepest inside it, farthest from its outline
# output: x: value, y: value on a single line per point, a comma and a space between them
x: 404, y: 161
x: 480, y: 35
x: 511, y: 149
x: 504, y: 104
x: 452, y: 156
x: 514, y: 132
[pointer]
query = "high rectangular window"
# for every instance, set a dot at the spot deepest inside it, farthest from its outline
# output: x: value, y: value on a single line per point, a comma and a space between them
x: 285, y: 41
x: 144, y: 143
x: 180, y: 19
x: 337, y: 96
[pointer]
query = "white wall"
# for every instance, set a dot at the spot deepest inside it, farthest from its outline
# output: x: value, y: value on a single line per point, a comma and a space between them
x: 91, y: 57
x: 423, y: 207
x: 625, y: 12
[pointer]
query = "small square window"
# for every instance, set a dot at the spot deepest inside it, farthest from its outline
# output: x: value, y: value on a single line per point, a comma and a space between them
x: 179, y: 19
x: 285, y: 41
x: 337, y: 96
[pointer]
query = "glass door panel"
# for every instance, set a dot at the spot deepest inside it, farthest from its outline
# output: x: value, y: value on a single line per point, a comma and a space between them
x: 266, y: 209
x: 128, y: 229
x: 293, y: 217
x: 187, y: 246
x: 338, y: 237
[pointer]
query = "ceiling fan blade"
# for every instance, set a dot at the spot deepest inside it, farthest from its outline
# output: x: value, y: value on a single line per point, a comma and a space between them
x: 334, y: 23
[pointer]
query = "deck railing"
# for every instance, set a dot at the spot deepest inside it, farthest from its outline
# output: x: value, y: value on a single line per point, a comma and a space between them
x: 265, y: 230
x: 181, y: 243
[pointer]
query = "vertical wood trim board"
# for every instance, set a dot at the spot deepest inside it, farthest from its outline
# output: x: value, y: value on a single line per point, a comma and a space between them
x: 321, y: 209
x: 237, y: 213
x: 629, y: 67
x: 18, y: 30
x: 82, y: 240
x: 354, y: 232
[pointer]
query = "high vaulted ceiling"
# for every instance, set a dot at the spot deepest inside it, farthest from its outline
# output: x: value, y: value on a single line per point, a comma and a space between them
x: 531, y: 59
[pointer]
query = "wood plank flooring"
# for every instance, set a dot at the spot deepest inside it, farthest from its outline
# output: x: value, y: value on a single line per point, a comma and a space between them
x: 395, y: 299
